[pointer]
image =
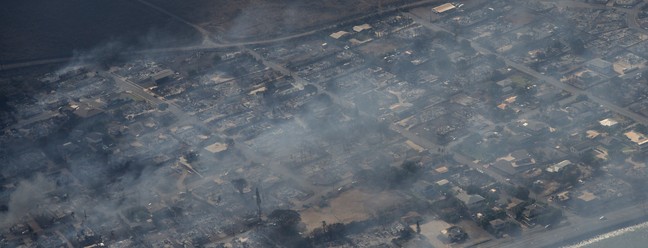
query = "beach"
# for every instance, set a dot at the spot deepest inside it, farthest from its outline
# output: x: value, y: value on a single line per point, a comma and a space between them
x: 581, y: 230
x: 629, y: 237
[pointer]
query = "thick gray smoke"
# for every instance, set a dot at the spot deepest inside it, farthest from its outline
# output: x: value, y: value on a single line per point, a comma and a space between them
x: 399, y: 113
x: 28, y: 197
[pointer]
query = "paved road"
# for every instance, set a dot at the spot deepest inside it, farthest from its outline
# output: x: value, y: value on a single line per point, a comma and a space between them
x: 633, y: 15
x: 185, y: 119
x: 219, y: 42
x: 433, y: 147
x: 212, y: 41
x: 40, y: 117
x: 578, y: 226
x: 543, y: 78
x: 299, y: 81
x: 584, y: 5
x: 139, y: 91
x: 12, y: 66
x: 281, y: 169
x: 430, y: 146
x: 206, y: 34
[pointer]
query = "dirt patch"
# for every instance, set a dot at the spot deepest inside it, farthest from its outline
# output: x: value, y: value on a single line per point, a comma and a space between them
x: 353, y: 205
x: 520, y: 17
x: 378, y: 48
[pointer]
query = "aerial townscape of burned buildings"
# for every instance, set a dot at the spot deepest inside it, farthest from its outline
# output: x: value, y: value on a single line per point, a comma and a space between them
x: 500, y: 123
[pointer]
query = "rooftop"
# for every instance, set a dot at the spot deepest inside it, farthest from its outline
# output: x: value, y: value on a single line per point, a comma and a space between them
x: 338, y: 34
x: 636, y: 137
x: 362, y: 27
x: 442, y: 182
x: 161, y: 74
x: 467, y: 198
x: 608, y: 122
x: 559, y: 166
x: 470, y: 199
x: 444, y: 7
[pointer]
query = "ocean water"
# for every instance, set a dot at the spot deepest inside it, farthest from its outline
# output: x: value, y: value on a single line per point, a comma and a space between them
x: 42, y: 29
x: 629, y: 237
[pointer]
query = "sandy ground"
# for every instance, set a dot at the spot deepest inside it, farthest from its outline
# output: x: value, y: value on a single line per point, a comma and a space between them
x: 353, y: 205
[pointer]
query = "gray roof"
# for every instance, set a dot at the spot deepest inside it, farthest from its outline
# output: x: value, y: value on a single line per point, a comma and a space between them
x: 469, y: 199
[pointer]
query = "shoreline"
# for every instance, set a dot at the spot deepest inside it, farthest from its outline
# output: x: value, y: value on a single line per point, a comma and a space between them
x: 579, y: 230
x: 600, y: 234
